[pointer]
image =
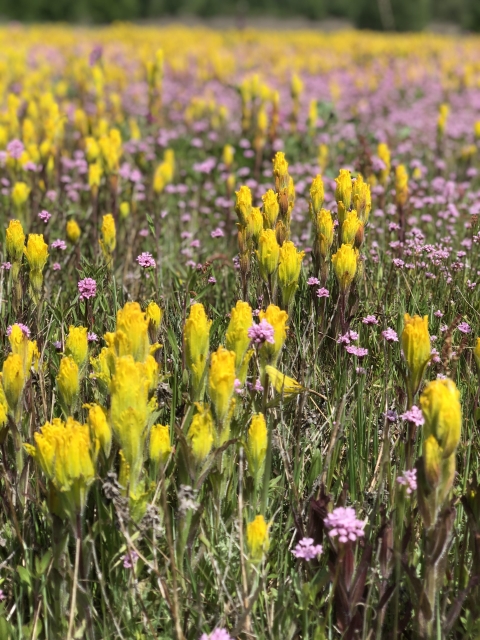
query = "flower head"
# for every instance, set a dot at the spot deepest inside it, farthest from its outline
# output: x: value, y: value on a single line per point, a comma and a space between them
x: 345, y: 266
x: 87, y: 288
x: 258, y: 540
x: 390, y: 335
x: 262, y: 332
x: 306, y: 550
x: 343, y: 523
x: 409, y: 480
x: 146, y: 260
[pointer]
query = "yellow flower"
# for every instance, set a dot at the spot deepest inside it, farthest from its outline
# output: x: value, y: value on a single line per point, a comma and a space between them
x: 432, y: 460
x: 270, y: 209
x: 362, y: 199
x: 160, y: 446
x: 20, y: 193
x: 278, y: 319
x: 100, y: 429
x: 289, y: 267
x: 154, y: 315
x: 228, y: 154
x: 36, y: 252
x: 25, y: 348
x: 258, y: 540
x: 257, y: 444
x: 221, y: 380
x: 92, y: 149
x: 236, y: 337
x: 68, y: 381
x: 283, y: 384
x: 76, y: 344
x: 130, y: 411
x: 131, y: 335
x: 476, y: 353
x: 94, y: 176
x: 254, y: 223
x: 73, y: 231
x: 296, y: 86
x: 325, y: 232
x: 345, y: 266
x: 416, y: 348
x: 383, y: 153
x: 350, y: 228
x: 109, y: 235
x: 3, y: 406
x: 124, y: 209
x: 268, y: 253
x: 15, y: 240
x: 317, y: 195
x: 196, y: 335
x: 200, y: 432
x: 440, y: 404
x: 343, y: 191
x: 64, y: 453
x: 13, y: 380
x: 280, y: 165
x: 243, y: 205
x: 401, y: 185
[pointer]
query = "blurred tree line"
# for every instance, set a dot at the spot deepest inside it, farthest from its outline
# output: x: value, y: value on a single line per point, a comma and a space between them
x: 399, y: 15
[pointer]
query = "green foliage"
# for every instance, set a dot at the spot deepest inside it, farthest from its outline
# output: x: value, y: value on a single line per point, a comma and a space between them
x: 399, y: 15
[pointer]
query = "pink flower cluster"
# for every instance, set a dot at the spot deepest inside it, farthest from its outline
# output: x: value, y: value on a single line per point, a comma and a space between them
x: 218, y: 634
x: 146, y: 260
x: 409, y: 480
x: 343, y: 523
x: 306, y: 550
x: 414, y: 415
x: 87, y: 288
x: 261, y: 332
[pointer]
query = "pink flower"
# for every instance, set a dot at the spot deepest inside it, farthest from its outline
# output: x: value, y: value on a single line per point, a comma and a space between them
x: 343, y: 523
x: 87, y: 288
x: 218, y: 634
x: 370, y: 320
x: 15, y: 148
x: 390, y: 335
x: 306, y: 550
x: 262, y: 332
x: 360, y: 352
x: 409, y: 480
x: 92, y: 337
x: 414, y: 415
x: 143, y: 233
x: 130, y: 559
x: 44, y: 216
x: 313, y: 281
x: 146, y: 260
x: 217, y: 233
x: 464, y: 327
x: 59, y: 244
x: 237, y: 385
x: 438, y: 314
x: 6, y: 265
x: 323, y: 293
x: 212, y: 280
x: 56, y: 266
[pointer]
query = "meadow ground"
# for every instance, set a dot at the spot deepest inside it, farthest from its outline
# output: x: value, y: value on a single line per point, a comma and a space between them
x: 238, y: 324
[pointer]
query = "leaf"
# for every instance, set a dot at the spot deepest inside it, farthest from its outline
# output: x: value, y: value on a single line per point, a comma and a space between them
x: 42, y: 564
x: 151, y: 225
x: 24, y: 575
x: 421, y: 601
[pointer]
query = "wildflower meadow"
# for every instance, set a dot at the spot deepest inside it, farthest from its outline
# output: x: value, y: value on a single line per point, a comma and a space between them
x: 239, y: 392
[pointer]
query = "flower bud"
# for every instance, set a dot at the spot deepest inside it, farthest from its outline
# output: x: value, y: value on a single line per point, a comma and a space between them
x: 109, y: 235
x: 343, y: 191
x: 362, y: 199
x: 100, y: 429
x: 221, y: 381
x: 283, y: 384
x: 160, y: 447
x: 68, y: 381
x: 317, y: 195
x: 350, y: 228
x: 228, y: 155
x: 154, y: 316
x: 13, y: 380
x: 268, y: 253
x: 289, y: 267
x: 243, y: 205
x: 416, y: 348
x: 20, y: 193
x: 258, y: 540
x: 325, y: 232
x: 255, y: 223
x: 200, y: 433
x: 76, y: 344
x: 257, y: 444
x: 278, y: 319
x: 440, y: 404
x: 36, y: 252
x: 345, y: 266
x: 196, y: 335
x: 432, y: 460
x: 236, y: 337
x: 15, y: 240
x: 383, y: 153
x: 401, y: 185
x: 270, y: 209
x: 73, y: 231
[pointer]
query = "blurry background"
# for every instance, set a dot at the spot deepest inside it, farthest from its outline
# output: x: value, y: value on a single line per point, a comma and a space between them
x: 400, y: 15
